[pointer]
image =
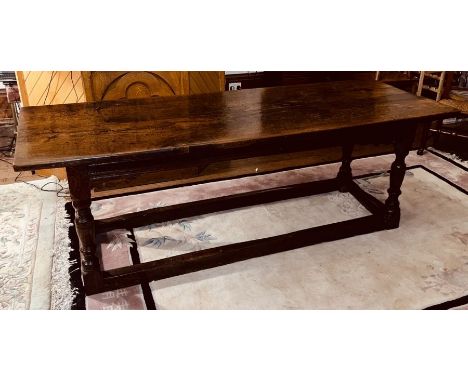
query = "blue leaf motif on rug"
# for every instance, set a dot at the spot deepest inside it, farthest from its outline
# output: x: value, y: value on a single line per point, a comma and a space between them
x: 203, y: 236
x: 157, y: 242
x: 185, y: 224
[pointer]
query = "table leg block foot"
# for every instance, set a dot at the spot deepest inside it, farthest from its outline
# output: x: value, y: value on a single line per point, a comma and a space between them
x: 392, y: 219
x: 93, y: 282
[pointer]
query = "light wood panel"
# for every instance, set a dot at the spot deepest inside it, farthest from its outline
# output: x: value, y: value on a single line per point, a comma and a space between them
x: 127, y: 85
x: 206, y: 82
x: 50, y: 88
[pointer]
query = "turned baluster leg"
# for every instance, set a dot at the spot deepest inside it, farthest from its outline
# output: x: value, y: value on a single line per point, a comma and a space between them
x: 345, y: 175
x: 397, y: 174
x: 80, y: 192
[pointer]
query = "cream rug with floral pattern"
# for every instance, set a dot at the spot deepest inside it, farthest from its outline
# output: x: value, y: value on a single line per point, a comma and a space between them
x: 27, y: 237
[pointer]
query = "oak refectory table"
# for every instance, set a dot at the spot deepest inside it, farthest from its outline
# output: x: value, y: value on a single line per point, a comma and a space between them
x: 113, y: 140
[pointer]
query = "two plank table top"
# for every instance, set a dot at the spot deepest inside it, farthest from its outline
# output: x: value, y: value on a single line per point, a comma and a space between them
x: 96, y: 141
x: 79, y: 133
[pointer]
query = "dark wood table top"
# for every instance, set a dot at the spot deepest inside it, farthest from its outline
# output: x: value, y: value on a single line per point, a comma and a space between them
x: 93, y: 133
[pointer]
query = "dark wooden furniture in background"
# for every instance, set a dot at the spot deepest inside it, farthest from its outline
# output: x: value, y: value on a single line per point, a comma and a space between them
x: 440, y: 86
x: 5, y: 109
x: 111, y: 142
x: 9, y: 110
x: 286, y: 78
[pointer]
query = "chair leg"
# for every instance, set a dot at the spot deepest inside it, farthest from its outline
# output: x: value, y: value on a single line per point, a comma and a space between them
x: 422, y: 144
x: 438, y: 126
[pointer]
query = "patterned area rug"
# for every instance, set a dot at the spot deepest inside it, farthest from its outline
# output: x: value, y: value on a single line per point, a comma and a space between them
x: 27, y: 236
x: 422, y: 264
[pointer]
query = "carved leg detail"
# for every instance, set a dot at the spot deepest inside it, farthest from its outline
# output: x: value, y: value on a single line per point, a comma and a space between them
x: 397, y: 174
x: 345, y: 175
x: 84, y: 223
x: 80, y: 193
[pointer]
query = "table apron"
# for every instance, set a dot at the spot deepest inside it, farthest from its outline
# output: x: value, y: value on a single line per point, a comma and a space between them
x: 155, y: 168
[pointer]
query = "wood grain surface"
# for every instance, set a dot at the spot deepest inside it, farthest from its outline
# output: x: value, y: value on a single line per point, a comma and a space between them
x: 93, y: 133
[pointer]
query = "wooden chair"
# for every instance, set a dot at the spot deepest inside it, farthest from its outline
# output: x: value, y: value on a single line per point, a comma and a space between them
x: 438, y: 77
x: 444, y: 95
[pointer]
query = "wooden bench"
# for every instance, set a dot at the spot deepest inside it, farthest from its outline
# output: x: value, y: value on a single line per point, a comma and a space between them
x: 110, y: 142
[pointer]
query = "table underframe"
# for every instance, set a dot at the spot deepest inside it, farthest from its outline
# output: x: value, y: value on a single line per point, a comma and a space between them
x: 382, y: 216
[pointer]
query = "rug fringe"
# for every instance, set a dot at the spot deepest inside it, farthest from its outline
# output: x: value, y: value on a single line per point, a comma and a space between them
x: 62, y: 293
